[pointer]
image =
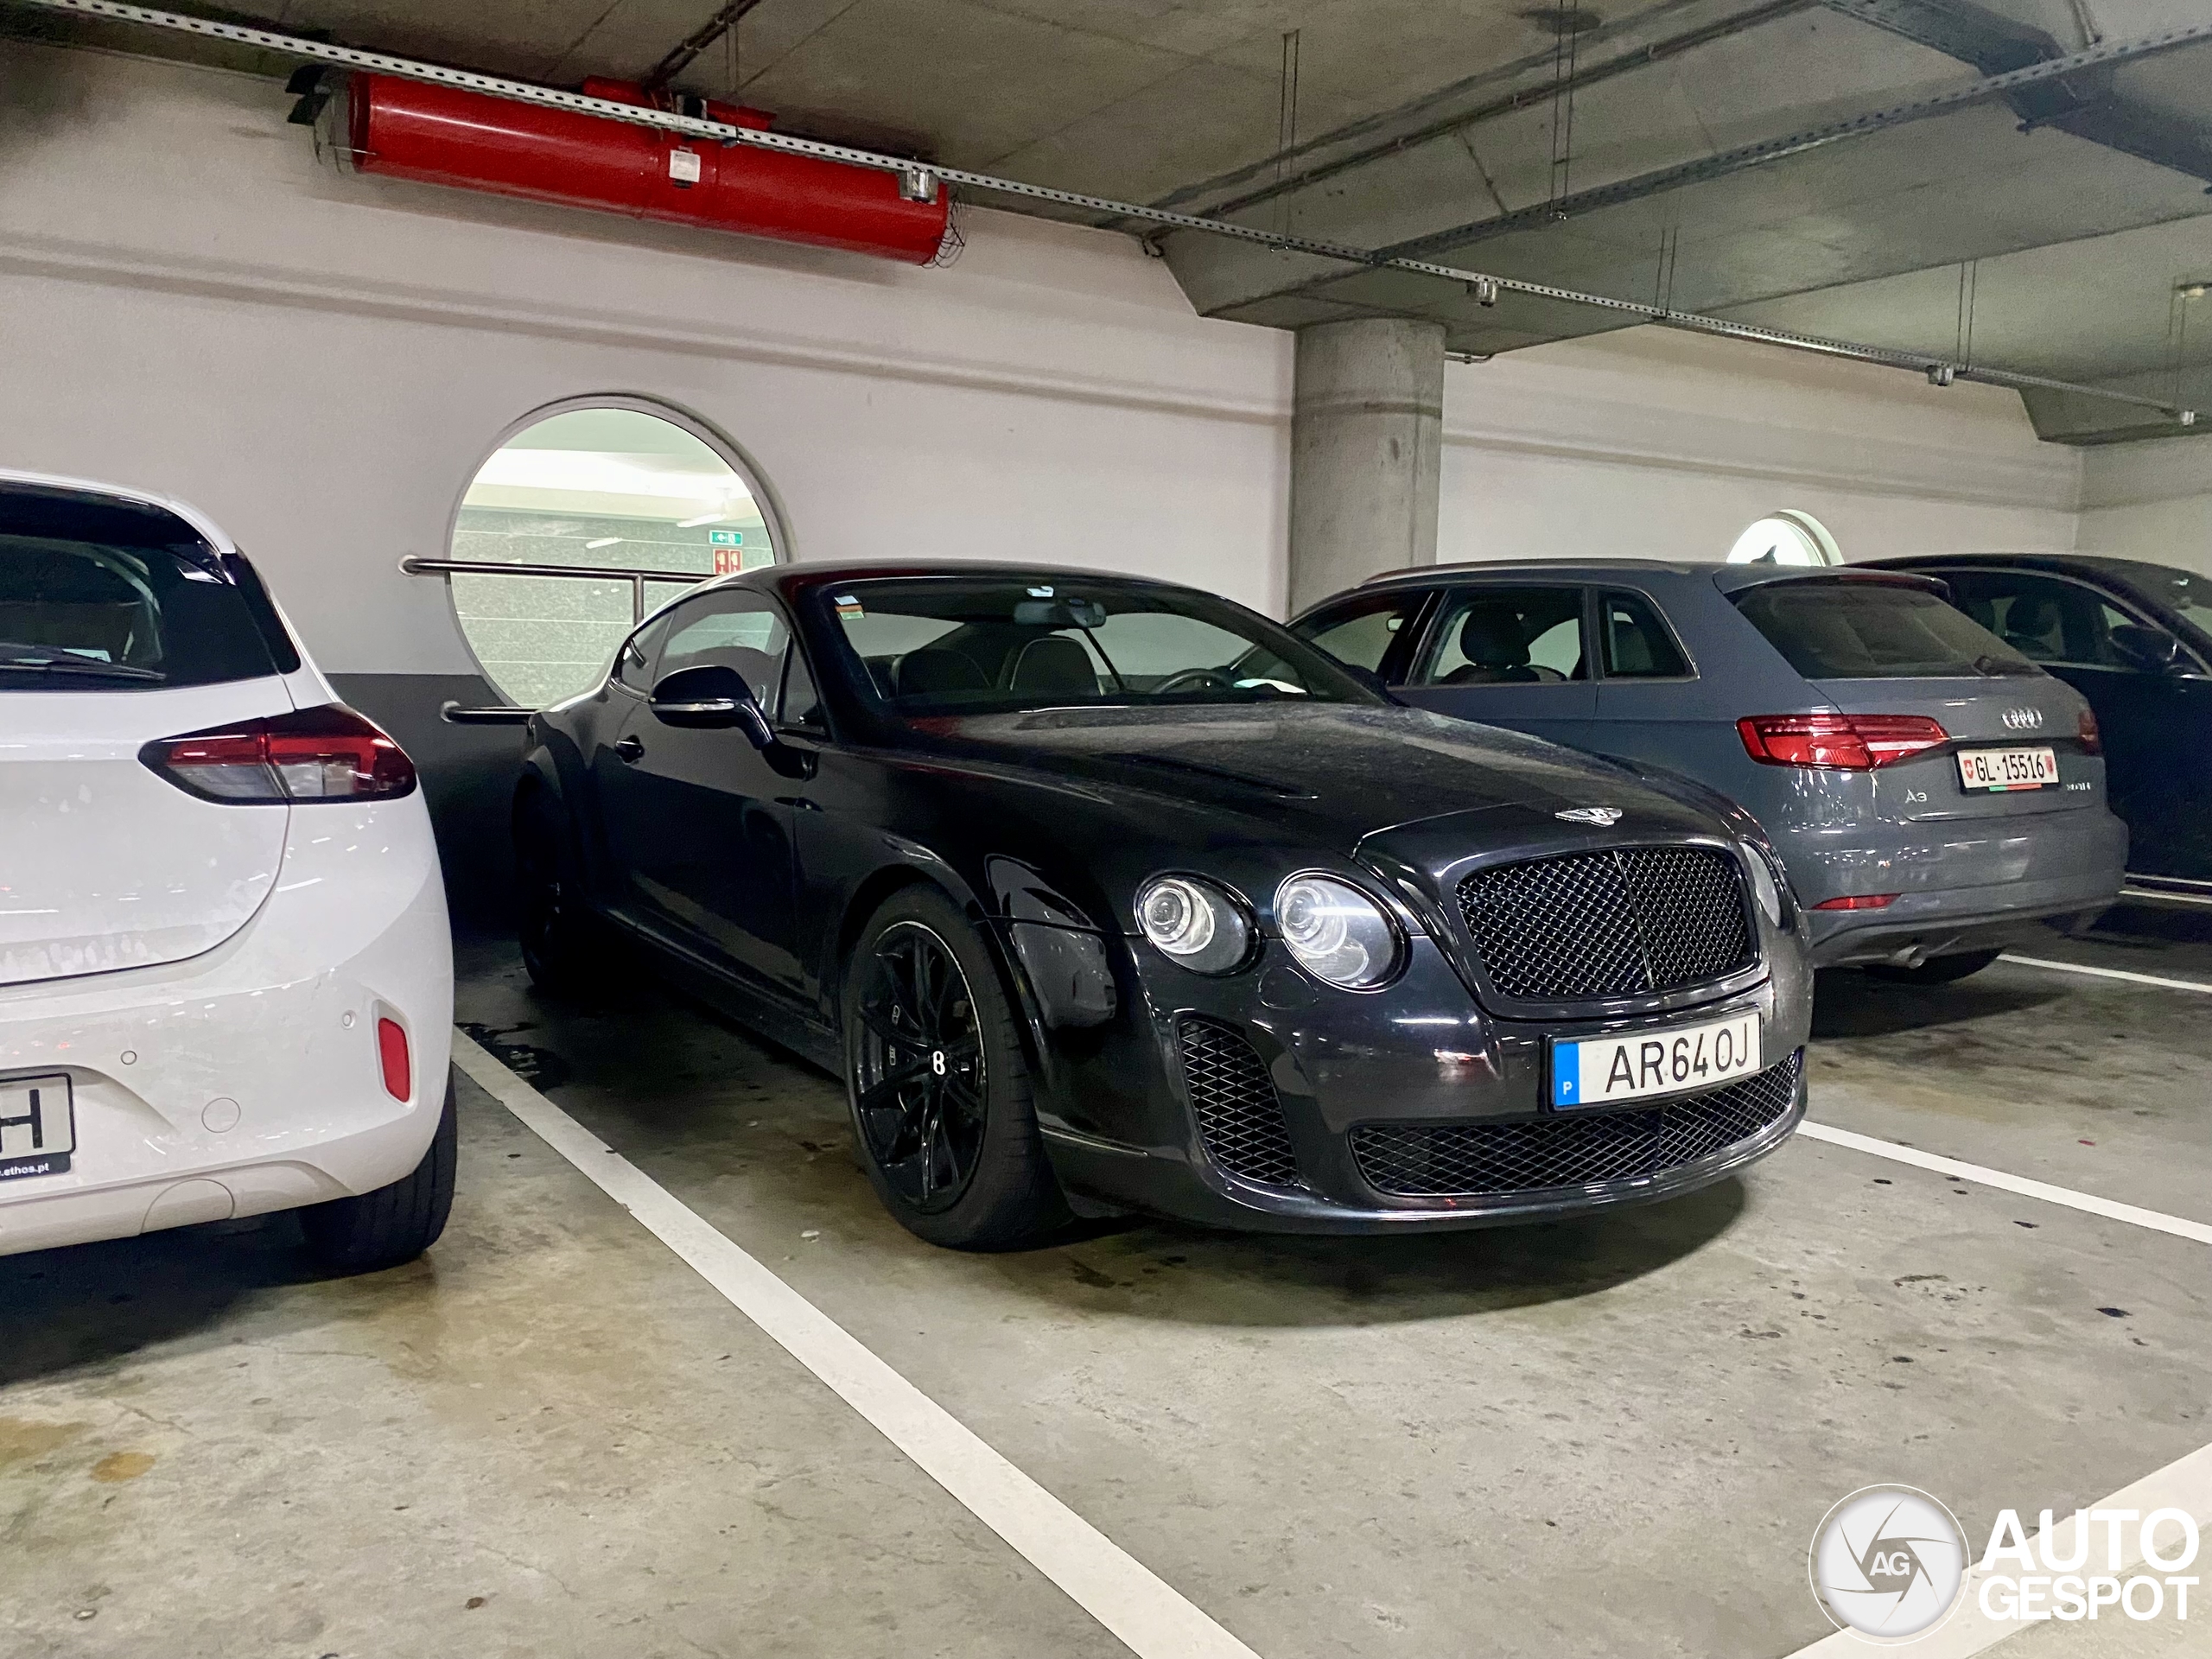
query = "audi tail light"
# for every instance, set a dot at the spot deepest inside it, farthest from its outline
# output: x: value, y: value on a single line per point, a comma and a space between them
x: 2085, y: 727
x: 328, y: 754
x: 1838, y: 742
x: 1860, y: 901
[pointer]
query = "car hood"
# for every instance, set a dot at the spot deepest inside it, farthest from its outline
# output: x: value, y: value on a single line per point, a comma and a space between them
x: 1339, y: 773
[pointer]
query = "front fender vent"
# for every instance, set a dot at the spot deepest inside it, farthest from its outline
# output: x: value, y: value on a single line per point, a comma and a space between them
x: 1239, y: 1116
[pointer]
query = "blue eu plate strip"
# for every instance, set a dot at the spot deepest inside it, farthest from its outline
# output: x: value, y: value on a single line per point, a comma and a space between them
x: 1566, y: 1074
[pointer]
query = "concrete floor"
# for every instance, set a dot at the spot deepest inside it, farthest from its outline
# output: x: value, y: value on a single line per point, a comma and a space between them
x: 1615, y: 1437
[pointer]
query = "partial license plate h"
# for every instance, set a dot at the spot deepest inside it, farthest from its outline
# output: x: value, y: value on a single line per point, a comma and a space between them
x: 38, y: 1126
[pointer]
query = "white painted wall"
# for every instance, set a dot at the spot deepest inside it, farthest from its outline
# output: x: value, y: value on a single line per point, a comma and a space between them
x: 1654, y: 444
x: 190, y: 302
x: 2149, y: 501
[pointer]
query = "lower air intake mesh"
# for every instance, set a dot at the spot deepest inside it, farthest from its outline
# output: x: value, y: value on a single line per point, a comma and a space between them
x: 1239, y: 1115
x: 1570, y: 1148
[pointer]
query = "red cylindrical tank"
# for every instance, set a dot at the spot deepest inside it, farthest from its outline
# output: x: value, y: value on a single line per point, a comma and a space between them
x: 442, y: 135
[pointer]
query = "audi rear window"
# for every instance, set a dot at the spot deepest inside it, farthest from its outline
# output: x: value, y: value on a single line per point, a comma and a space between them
x: 1856, y: 629
x: 98, y: 593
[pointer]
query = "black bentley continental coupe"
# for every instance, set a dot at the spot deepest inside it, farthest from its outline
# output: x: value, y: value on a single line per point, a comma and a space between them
x: 1106, y: 894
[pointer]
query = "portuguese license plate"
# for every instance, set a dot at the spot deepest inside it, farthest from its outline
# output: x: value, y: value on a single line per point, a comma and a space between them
x: 38, y: 1127
x: 1999, y: 769
x: 1601, y: 1070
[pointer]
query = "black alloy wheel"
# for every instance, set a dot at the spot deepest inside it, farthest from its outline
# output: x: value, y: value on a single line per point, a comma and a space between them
x: 560, y: 951
x: 939, y: 1084
x: 919, y: 1090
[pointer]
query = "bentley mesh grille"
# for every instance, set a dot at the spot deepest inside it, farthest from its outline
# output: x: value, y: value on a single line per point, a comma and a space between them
x: 1240, y: 1117
x: 1570, y: 1149
x: 1630, y: 921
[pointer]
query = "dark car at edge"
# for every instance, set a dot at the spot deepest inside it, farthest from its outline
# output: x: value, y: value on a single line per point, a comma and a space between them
x: 1104, y: 895
x: 2135, y: 638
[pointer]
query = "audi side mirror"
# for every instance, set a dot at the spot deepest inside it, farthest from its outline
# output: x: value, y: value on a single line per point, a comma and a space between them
x: 711, y: 698
x: 2151, y: 650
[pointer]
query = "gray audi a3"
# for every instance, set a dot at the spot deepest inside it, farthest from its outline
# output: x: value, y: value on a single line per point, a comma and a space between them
x: 1933, y: 795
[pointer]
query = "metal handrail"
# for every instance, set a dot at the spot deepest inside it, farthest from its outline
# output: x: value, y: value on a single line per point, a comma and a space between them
x: 637, y: 579
x: 514, y: 715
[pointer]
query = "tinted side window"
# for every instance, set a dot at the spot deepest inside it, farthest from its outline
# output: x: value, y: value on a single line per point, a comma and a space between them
x: 634, y: 660
x: 1490, y: 636
x: 1636, y: 644
x: 100, y: 595
x: 2044, y: 619
x: 732, y: 630
x: 1362, y: 633
x: 802, y: 704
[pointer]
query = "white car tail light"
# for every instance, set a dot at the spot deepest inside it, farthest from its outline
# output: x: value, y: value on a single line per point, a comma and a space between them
x: 328, y: 754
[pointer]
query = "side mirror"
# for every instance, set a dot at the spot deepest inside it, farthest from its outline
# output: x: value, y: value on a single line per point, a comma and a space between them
x: 2152, y: 649
x: 711, y: 698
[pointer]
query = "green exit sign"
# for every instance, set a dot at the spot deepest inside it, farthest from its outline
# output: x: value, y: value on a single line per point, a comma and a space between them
x: 726, y: 537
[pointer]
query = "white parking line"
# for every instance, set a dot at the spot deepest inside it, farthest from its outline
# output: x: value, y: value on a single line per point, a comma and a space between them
x: 1148, y: 1614
x: 2184, y: 1483
x: 2160, y: 896
x: 1957, y: 1171
x: 2110, y: 973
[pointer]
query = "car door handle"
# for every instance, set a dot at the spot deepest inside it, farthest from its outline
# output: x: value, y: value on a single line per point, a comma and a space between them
x: 630, y: 750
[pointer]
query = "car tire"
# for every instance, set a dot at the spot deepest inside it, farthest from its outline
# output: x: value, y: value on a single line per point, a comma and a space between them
x: 394, y: 1223
x: 1937, y: 970
x: 937, y: 1084
x: 561, y: 948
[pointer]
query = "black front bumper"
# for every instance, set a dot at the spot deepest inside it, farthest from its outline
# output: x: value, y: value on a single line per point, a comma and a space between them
x: 1160, y: 1112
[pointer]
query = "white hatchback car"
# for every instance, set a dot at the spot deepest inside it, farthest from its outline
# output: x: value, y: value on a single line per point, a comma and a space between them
x: 226, y: 974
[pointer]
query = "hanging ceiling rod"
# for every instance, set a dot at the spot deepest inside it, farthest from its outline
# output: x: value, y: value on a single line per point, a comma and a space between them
x: 923, y: 178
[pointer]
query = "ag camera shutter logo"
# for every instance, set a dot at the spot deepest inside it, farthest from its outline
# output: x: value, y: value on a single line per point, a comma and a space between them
x: 1888, y: 1562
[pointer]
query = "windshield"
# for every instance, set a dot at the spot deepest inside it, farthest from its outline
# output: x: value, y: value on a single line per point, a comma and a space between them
x: 100, y: 595
x: 1861, y: 630
x: 964, y: 645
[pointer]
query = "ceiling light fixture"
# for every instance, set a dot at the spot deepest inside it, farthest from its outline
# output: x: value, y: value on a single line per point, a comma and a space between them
x: 2192, y: 291
x: 604, y: 541
x: 704, y: 519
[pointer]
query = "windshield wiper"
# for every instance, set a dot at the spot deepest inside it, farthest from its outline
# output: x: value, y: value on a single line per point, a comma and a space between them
x: 42, y: 659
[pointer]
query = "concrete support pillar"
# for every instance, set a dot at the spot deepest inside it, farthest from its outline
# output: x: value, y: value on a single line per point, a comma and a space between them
x: 1366, y: 448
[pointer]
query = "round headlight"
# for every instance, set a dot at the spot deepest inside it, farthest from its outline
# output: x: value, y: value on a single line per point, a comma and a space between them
x: 1194, y: 923
x: 1336, y: 932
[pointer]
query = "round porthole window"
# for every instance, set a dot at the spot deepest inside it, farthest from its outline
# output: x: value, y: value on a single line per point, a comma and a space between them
x: 1786, y: 538
x: 602, y: 489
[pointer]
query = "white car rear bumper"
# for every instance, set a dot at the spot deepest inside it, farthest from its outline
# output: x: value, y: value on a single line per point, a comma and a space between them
x: 247, y: 1079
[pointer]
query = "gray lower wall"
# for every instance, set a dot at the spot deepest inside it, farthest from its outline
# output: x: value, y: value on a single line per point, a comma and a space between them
x: 469, y: 775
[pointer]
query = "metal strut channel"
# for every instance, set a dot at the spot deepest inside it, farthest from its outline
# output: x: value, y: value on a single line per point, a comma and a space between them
x: 928, y: 173
x: 1775, y: 149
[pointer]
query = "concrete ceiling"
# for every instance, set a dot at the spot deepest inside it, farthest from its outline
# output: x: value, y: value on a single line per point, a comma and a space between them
x: 1436, y: 125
